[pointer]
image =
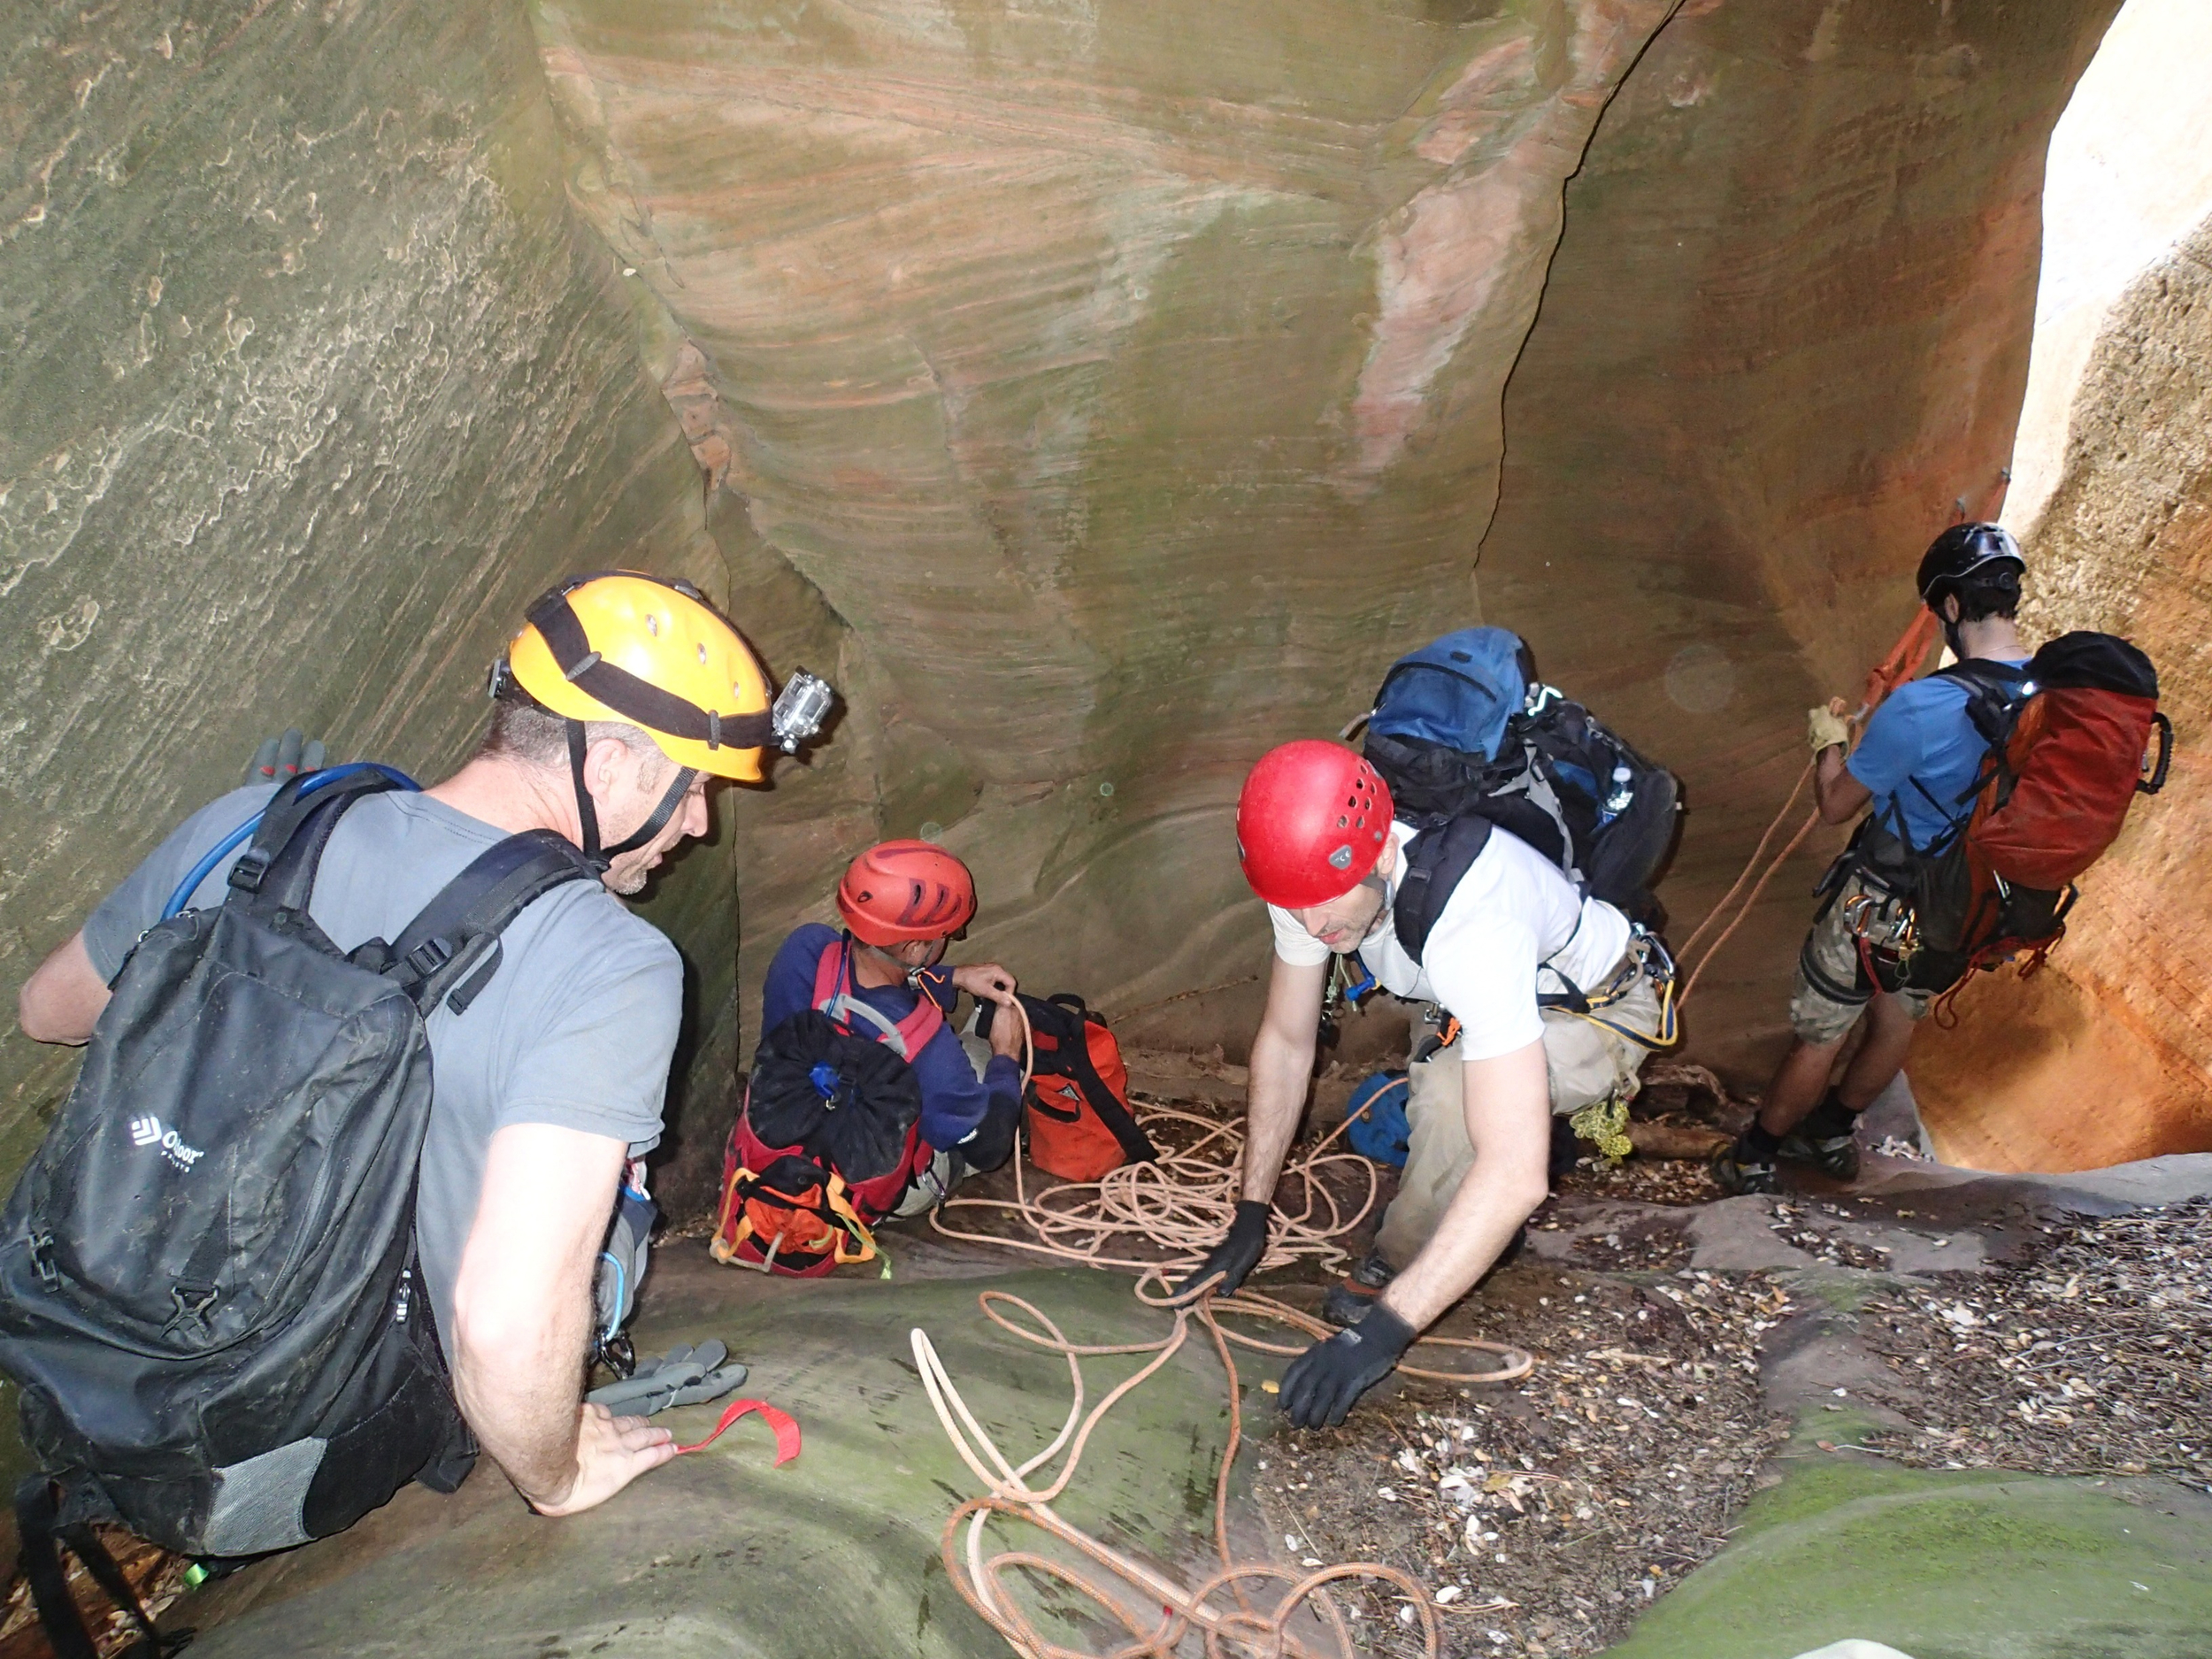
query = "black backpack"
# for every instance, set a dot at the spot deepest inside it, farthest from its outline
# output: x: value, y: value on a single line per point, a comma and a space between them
x: 208, y: 1289
x: 1459, y: 730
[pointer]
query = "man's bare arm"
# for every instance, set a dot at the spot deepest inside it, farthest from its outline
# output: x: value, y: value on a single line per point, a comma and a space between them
x: 1840, y: 796
x: 1508, y: 1102
x: 1282, y: 1066
x: 62, y: 999
x: 522, y: 1311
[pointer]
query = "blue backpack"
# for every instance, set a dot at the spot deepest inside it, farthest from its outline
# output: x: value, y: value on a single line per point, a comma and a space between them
x: 1468, y: 738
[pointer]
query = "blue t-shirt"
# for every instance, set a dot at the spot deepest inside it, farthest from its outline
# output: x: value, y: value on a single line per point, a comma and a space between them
x: 1922, y: 740
x: 955, y: 1100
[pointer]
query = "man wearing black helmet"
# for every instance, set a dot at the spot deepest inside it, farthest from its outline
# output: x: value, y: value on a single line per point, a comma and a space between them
x: 1917, y: 767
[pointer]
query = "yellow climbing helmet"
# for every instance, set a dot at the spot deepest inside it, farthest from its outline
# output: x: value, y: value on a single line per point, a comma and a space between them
x: 628, y: 647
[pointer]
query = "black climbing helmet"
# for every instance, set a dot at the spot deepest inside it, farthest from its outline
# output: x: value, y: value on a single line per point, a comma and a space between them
x: 1968, y: 552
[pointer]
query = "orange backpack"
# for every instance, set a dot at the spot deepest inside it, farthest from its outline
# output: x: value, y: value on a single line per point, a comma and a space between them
x: 1078, y: 1121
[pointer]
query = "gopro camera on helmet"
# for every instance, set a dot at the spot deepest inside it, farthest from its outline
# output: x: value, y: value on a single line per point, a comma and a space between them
x: 801, y: 707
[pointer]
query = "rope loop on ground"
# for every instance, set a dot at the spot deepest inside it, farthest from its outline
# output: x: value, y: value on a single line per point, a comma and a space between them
x: 1220, y: 1608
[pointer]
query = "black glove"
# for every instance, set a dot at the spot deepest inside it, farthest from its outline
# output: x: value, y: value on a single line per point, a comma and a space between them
x: 1324, y: 1381
x: 279, y: 759
x: 1238, y: 1254
x: 681, y: 1377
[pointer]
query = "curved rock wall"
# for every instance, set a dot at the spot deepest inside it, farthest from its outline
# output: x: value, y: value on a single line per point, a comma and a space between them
x: 1782, y: 344
x: 1099, y: 394
x: 308, y: 381
x: 2106, y: 1054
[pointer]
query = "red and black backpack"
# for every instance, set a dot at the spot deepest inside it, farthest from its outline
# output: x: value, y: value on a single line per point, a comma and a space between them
x: 829, y: 1137
x: 1078, y: 1121
x: 2073, y: 739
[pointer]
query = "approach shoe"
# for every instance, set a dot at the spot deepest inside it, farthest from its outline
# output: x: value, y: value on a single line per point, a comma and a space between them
x: 1836, y: 1155
x: 1738, y: 1173
x: 1350, y: 1298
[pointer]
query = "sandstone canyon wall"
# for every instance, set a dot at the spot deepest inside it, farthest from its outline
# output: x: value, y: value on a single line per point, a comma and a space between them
x: 1783, y: 345
x: 1098, y: 392
x: 2106, y: 1054
x: 309, y: 380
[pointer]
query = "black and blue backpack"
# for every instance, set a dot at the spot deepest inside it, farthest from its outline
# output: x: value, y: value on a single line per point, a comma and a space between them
x: 1467, y: 738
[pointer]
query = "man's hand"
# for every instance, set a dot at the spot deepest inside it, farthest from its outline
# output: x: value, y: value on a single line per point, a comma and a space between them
x: 1009, y: 1036
x: 1825, y: 727
x: 1238, y: 1254
x: 986, y: 982
x: 1323, y: 1382
x: 611, y: 1453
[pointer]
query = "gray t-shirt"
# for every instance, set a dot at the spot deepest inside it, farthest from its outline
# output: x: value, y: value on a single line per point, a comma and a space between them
x: 577, y: 1028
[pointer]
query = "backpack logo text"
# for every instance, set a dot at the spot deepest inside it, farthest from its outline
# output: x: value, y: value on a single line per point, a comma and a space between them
x: 148, y: 1132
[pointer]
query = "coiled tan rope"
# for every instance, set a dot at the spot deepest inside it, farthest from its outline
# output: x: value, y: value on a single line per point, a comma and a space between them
x: 1182, y: 1204
x: 982, y: 1579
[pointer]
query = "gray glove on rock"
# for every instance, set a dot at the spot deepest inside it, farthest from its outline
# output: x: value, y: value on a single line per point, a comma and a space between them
x: 684, y: 1376
x: 279, y: 759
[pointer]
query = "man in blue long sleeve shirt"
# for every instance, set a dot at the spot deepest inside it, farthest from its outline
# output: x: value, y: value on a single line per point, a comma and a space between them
x: 957, y: 1104
x: 904, y: 903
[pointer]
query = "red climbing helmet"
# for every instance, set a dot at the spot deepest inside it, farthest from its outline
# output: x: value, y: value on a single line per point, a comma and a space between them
x: 901, y: 890
x: 1310, y: 823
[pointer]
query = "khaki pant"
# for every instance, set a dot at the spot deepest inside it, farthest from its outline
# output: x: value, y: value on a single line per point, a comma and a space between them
x: 1587, y: 1062
x: 1833, y: 987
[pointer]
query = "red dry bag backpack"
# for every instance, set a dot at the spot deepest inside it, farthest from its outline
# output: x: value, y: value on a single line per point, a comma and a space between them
x: 828, y: 1140
x: 2071, y: 745
x: 1078, y: 1121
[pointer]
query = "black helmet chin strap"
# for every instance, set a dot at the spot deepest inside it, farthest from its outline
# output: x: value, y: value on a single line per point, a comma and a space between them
x: 587, y: 817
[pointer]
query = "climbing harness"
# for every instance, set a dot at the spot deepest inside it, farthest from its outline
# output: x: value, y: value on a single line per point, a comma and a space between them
x: 1646, y: 958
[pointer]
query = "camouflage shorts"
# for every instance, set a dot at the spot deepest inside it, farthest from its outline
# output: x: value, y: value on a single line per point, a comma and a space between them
x: 1834, y: 986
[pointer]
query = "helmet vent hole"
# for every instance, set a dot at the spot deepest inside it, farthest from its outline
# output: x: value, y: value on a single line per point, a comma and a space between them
x: 1342, y: 822
x: 652, y: 624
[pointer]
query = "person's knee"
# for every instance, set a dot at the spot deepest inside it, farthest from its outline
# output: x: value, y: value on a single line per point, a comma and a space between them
x: 993, y: 1141
x: 1819, y: 1020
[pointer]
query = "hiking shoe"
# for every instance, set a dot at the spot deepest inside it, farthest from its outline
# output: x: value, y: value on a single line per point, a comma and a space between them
x: 1350, y: 1298
x: 1837, y: 1156
x: 1737, y: 1173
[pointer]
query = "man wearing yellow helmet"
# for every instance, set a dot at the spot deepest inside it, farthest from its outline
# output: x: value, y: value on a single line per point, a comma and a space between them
x: 630, y: 653
x: 611, y: 706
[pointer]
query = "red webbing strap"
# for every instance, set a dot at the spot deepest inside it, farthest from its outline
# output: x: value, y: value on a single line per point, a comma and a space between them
x: 1904, y: 659
x: 786, y: 1427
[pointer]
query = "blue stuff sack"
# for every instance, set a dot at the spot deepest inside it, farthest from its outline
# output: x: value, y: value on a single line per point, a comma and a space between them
x: 1458, y: 691
x: 1383, y: 1134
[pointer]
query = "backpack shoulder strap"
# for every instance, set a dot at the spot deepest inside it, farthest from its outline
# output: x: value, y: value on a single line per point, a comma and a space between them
x: 1994, y: 692
x: 905, y: 1037
x: 277, y: 870
x: 829, y: 975
x: 454, y: 940
x: 1435, y: 860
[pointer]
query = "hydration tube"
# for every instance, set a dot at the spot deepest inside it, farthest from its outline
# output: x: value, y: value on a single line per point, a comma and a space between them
x: 231, y: 843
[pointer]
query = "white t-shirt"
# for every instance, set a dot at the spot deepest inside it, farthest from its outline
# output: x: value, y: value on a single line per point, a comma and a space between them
x: 1512, y: 916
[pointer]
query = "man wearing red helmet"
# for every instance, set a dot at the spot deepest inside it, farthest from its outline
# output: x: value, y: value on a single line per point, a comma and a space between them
x: 904, y: 903
x: 1317, y: 841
